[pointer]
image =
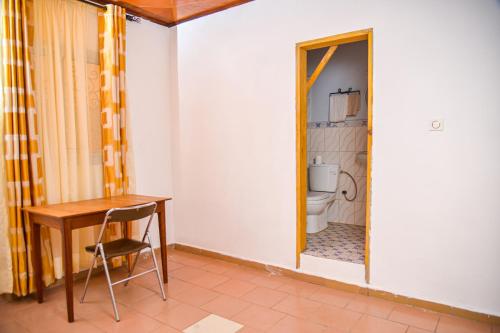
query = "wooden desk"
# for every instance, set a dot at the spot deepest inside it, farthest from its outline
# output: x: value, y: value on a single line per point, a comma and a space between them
x: 80, y: 214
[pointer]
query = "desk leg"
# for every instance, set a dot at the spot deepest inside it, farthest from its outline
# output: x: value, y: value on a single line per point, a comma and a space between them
x: 37, y: 260
x: 163, y: 242
x: 68, y: 269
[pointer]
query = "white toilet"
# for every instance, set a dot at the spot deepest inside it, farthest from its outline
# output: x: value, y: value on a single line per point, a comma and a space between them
x: 323, y: 179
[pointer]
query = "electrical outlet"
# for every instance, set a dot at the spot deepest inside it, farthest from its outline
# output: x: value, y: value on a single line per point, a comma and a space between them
x: 437, y: 125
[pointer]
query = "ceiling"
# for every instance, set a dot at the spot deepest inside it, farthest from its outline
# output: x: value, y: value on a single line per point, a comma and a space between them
x: 173, y: 12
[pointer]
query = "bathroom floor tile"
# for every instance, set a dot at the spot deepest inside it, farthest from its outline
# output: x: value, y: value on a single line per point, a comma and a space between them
x: 340, y: 241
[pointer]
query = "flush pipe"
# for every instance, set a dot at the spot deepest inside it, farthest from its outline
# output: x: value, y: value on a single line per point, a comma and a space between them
x: 344, y: 192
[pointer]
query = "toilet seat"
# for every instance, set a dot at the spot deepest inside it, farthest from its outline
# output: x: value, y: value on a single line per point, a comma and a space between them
x: 317, y: 196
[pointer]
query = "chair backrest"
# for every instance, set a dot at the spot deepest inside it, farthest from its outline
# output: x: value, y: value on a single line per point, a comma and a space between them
x: 129, y: 214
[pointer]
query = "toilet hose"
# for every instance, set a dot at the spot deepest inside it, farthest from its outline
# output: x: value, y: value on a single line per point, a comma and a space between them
x: 344, y: 192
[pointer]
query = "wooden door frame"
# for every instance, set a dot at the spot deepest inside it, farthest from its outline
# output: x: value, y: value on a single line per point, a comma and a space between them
x: 301, y: 132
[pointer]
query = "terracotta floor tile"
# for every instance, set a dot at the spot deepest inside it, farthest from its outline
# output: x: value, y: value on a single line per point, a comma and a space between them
x: 294, y: 325
x: 133, y: 293
x: 415, y: 317
x: 247, y: 329
x: 297, y: 306
x: 334, y: 317
x: 165, y: 329
x: 234, y: 287
x: 130, y: 321
x: 148, y: 281
x: 417, y: 330
x: 42, y: 316
x: 242, y: 273
x: 153, y: 305
x: 187, y: 274
x: 299, y: 288
x: 12, y: 326
x: 270, y: 281
x: 172, y: 266
x: 331, y: 296
x: 259, y: 317
x: 209, y: 280
x: 10, y: 309
x: 226, y: 306
x: 335, y: 330
x: 369, y: 324
x: 182, y: 316
x: 187, y: 259
x: 452, y: 324
x: 227, y: 290
x: 371, y: 306
x: 196, y: 296
x: 264, y: 296
x: 175, y: 287
x: 219, y: 267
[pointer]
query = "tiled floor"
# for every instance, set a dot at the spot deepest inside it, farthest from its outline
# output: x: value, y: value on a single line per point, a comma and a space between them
x: 339, y: 241
x: 212, y: 296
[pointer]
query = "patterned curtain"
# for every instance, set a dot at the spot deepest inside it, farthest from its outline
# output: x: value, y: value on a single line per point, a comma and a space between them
x: 23, y: 163
x: 112, y: 33
x: 112, y: 26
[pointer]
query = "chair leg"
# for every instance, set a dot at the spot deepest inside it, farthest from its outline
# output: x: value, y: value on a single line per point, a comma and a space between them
x: 157, y: 272
x: 105, y: 264
x: 88, y: 277
x: 133, y: 267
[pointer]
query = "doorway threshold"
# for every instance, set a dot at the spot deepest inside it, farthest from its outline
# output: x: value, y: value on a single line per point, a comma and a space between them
x: 342, y: 271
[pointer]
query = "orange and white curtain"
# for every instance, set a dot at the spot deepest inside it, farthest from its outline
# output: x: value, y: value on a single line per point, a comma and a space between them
x: 66, y: 62
x: 112, y: 34
x: 22, y: 151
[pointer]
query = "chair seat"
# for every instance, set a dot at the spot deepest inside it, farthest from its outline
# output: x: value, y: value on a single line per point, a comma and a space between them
x: 119, y: 247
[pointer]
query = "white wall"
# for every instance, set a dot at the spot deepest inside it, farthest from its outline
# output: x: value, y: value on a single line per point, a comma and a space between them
x: 148, y: 86
x: 435, y: 215
x: 348, y: 68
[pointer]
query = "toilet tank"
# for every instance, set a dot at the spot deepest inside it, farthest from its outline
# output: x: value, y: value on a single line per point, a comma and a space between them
x: 323, y: 177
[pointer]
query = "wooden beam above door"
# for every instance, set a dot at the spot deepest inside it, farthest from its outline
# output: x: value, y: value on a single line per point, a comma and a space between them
x: 326, y: 58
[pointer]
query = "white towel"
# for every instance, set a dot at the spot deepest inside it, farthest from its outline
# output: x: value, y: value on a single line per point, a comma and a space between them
x: 338, y: 107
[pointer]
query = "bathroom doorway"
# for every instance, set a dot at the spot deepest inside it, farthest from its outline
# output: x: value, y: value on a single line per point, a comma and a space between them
x: 334, y: 128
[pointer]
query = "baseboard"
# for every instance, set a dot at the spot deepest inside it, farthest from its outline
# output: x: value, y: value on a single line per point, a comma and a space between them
x: 434, y: 306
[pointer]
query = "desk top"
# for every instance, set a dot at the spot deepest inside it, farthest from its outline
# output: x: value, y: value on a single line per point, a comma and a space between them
x: 78, y: 208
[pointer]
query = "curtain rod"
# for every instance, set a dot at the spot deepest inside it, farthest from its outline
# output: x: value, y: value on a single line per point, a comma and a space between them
x: 129, y: 17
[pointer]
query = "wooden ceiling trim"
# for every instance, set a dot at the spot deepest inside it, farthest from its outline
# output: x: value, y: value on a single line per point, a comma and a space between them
x: 136, y: 11
x: 211, y: 11
x: 168, y: 15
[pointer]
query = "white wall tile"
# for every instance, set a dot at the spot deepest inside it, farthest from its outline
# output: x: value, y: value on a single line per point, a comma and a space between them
x: 360, y: 213
x: 346, y: 212
x: 332, y: 139
x: 361, y: 138
x: 348, y: 164
x: 339, y: 145
x: 361, y: 182
x: 345, y: 184
x: 347, y: 138
x: 333, y: 212
x: 331, y: 157
x: 310, y: 157
x: 317, y: 139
